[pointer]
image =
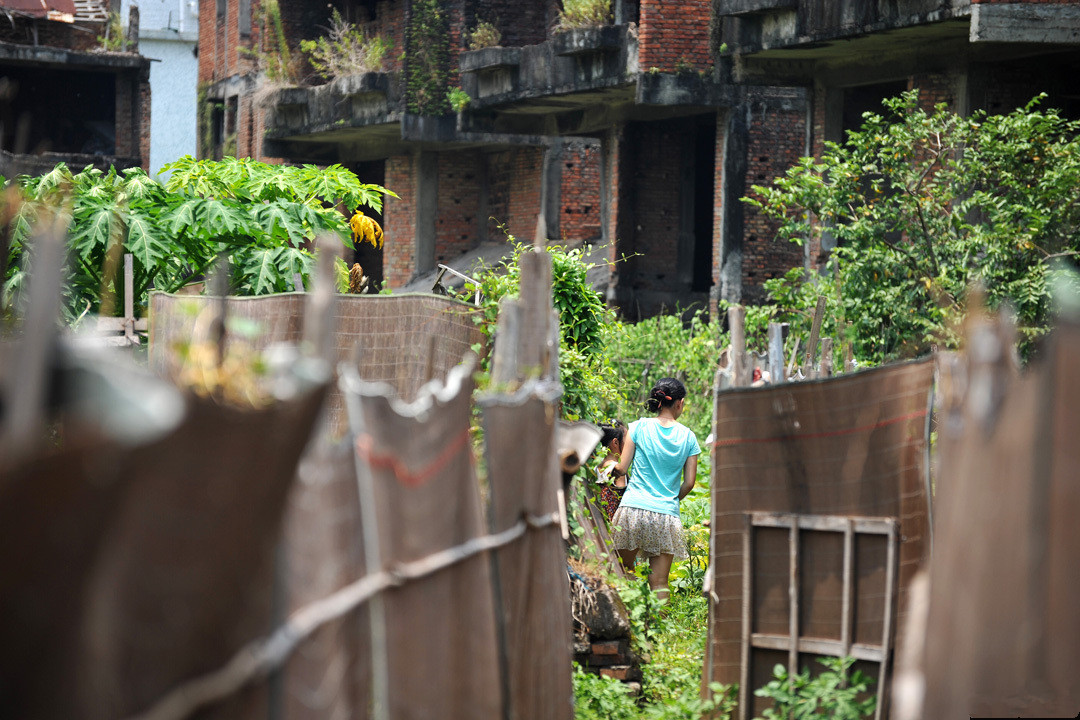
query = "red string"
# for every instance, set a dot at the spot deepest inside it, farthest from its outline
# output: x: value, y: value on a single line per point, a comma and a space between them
x: 811, y: 436
x: 404, y: 475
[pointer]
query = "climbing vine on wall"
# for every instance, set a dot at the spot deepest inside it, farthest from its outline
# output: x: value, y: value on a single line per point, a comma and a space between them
x: 428, y: 59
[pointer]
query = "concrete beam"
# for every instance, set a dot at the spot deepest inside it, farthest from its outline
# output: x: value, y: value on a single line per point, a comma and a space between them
x: 746, y: 7
x: 1052, y: 24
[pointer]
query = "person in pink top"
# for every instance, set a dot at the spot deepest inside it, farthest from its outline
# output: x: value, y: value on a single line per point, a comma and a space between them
x: 663, y: 453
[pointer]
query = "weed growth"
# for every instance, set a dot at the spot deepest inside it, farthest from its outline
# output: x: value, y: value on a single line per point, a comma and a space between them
x: 345, y: 50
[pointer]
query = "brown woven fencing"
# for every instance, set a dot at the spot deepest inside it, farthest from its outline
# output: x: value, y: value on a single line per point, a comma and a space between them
x: 820, y: 520
x: 134, y: 558
x: 401, y: 340
x: 1000, y: 636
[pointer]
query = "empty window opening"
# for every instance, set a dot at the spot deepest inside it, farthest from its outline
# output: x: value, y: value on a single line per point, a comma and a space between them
x: 57, y: 110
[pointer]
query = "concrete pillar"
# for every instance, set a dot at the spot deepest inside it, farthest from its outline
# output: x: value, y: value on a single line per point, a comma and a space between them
x: 427, y: 197
x: 551, y: 187
x: 733, y: 128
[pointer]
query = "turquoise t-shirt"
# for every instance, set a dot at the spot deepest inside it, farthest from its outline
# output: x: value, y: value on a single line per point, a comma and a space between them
x: 659, y: 456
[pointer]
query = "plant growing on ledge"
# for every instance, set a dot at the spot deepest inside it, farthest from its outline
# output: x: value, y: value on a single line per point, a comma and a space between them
x: 577, y: 14
x: 346, y: 50
x: 484, y: 35
x: 114, y: 39
x: 458, y: 99
x: 428, y: 59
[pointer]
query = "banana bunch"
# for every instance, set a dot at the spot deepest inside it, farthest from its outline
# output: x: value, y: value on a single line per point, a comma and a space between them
x: 365, y: 228
x: 358, y: 282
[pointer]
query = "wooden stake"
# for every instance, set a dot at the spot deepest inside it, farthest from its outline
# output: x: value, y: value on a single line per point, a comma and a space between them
x: 741, y: 372
x: 129, y: 299
x: 826, y: 357
x: 776, y: 352
x: 815, y: 332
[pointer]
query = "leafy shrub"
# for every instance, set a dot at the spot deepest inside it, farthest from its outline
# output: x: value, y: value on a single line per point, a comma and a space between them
x: 458, y: 99
x: 584, y: 14
x: 832, y: 694
x: 484, y: 35
x: 666, y: 346
x: 601, y: 698
x: 923, y: 204
x: 345, y: 50
x: 590, y: 384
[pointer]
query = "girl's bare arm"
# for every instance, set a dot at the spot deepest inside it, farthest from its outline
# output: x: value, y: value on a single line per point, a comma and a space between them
x: 689, y: 474
x: 625, y: 458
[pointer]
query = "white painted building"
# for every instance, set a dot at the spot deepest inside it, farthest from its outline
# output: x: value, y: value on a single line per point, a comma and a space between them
x: 169, y: 33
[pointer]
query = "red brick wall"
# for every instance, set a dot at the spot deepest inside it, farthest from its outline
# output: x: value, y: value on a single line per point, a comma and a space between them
x: 673, y: 33
x: 580, y: 196
x: 133, y: 117
x: 399, y: 221
x: 521, y: 23
x: 655, y: 190
x: 207, y: 40
x: 389, y: 22
x: 523, y: 192
x: 777, y: 139
x: 456, y: 216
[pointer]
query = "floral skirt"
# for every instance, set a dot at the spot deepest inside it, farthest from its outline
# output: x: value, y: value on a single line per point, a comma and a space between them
x: 650, y: 532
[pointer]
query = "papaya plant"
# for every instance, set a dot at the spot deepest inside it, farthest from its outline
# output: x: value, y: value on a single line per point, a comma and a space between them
x: 261, y: 217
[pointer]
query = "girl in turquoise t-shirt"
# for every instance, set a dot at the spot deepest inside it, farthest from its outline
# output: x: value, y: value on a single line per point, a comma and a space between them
x: 664, y: 455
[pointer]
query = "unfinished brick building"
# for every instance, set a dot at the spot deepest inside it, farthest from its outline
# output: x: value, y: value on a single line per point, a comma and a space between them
x: 844, y: 56
x: 61, y: 99
x: 641, y: 135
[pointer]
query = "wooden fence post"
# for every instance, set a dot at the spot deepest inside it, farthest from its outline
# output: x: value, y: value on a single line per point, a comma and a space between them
x: 741, y: 372
x: 815, y: 332
x: 826, y: 357
x: 28, y: 382
x: 776, y: 352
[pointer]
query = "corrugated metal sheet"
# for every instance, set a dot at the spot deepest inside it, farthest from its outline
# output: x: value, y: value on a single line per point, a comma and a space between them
x: 59, y: 10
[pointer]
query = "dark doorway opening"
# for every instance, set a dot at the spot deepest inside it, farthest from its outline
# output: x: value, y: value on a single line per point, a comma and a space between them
x: 370, y: 259
x: 704, y: 187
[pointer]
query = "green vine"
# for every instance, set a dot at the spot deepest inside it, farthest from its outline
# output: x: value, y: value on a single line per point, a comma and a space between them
x: 205, y: 120
x: 428, y: 59
x: 274, y: 55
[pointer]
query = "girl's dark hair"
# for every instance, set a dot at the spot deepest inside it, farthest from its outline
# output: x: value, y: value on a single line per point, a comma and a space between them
x: 615, y: 431
x: 664, y: 394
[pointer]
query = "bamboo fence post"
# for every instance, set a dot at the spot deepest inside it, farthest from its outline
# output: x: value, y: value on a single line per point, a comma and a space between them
x: 815, y: 332
x: 28, y: 383
x: 826, y: 357
x: 741, y: 372
x: 129, y: 299
x: 504, y: 361
x: 849, y: 357
x: 776, y: 352
x: 319, y: 308
x: 535, y: 354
